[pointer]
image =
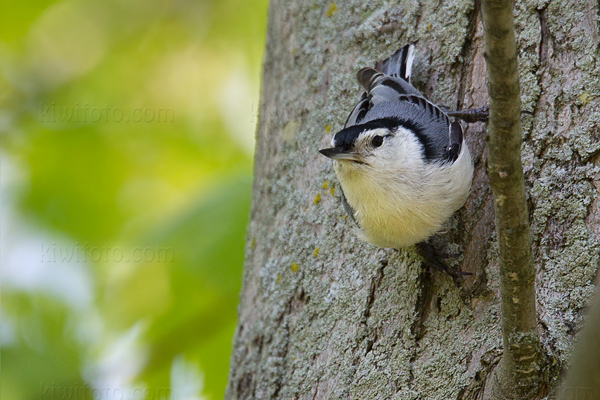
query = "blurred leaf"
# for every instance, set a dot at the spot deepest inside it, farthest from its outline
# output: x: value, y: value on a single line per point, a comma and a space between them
x: 208, y: 244
x: 14, y: 25
x: 45, y: 362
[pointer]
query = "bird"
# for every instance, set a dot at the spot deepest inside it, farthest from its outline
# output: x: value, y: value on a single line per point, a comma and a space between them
x: 402, y: 163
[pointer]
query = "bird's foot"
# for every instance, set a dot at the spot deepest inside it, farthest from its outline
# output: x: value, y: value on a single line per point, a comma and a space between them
x: 433, y: 258
x: 476, y: 114
x: 471, y: 115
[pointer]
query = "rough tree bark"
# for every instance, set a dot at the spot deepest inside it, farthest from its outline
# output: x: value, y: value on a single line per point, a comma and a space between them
x: 325, y: 316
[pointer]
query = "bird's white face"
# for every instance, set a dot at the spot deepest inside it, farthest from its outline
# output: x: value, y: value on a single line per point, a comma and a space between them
x: 366, y: 145
x: 381, y: 151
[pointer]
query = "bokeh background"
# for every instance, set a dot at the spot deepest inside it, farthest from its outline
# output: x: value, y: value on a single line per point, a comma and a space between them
x: 126, y: 137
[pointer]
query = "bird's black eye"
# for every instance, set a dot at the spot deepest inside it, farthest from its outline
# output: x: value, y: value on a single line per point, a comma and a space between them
x: 377, y: 141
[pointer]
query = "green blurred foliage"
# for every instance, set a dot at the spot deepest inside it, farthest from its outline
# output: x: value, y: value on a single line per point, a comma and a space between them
x: 130, y: 125
x: 44, y: 358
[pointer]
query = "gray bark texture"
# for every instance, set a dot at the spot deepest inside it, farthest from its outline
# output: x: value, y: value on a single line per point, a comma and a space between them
x: 323, y: 315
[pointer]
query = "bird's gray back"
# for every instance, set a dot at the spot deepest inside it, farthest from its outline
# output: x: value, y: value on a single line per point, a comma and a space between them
x: 390, y: 95
x: 430, y: 124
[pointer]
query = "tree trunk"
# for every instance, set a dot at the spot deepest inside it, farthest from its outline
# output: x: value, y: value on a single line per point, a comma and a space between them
x: 325, y: 316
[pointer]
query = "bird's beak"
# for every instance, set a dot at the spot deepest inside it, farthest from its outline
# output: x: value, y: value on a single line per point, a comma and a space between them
x: 337, y: 153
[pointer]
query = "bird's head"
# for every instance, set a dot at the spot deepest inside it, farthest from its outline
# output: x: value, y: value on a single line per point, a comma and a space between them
x: 382, y: 145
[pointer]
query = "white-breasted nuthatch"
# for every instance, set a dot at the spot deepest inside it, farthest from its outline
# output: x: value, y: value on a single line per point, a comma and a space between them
x: 403, y: 165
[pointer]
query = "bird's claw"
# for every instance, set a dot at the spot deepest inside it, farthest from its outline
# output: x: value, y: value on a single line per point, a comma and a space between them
x: 432, y: 258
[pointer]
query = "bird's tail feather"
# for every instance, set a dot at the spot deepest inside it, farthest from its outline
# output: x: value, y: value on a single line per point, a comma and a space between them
x: 399, y: 64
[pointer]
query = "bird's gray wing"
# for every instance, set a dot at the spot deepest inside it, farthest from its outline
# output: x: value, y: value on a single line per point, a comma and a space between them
x: 427, y: 121
x: 377, y: 83
x: 390, y: 96
x: 389, y: 79
x: 456, y: 141
x: 380, y: 89
x: 359, y: 111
